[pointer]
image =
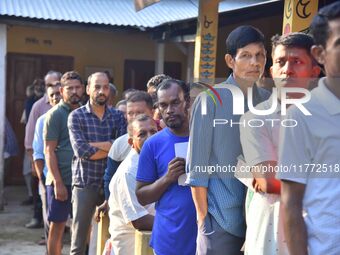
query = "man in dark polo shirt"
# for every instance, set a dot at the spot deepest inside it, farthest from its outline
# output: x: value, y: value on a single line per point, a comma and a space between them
x: 59, y: 153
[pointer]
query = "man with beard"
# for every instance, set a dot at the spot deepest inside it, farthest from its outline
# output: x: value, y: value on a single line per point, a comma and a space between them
x: 174, y: 230
x: 139, y: 102
x: 59, y: 155
x: 92, y: 129
x: 293, y: 67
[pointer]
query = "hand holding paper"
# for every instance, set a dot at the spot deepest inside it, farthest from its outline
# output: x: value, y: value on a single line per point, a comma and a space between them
x: 181, y: 152
x: 245, y: 177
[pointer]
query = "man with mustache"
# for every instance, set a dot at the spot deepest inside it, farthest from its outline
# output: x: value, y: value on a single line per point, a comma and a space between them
x: 59, y: 155
x: 293, y: 66
x: 174, y: 230
x: 92, y: 129
x: 139, y: 102
x: 219, y: 196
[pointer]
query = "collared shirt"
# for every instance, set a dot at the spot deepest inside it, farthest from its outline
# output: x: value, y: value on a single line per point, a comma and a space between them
x: 316, y: 140
x: 260, y: 142
x: 39, y: 108
x: 218, y: 147
x: 55, y: 129
x: 38, y: 142
x: 85, y: 127
x: 124, y: 206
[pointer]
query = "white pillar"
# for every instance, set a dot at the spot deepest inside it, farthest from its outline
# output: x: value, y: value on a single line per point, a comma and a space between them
x: 3, y: 51
x: 190, y: 61
x: 159, y: 68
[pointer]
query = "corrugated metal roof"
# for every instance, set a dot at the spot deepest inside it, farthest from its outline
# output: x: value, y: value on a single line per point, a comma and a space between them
x: 114, y: 12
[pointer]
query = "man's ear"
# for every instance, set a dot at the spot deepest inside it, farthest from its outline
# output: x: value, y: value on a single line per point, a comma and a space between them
x: 88, y: 89
x: 271, y: 71
x: 130, y: 141
x: 318, y: 53
x: 316, y: 71
x: 229, y: 60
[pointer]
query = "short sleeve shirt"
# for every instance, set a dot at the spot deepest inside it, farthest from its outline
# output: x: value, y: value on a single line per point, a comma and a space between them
x: 120, y: 148
x: 316, y: 142
x: 175, y: 227
x: 55, y: 129
x: 124, y: 206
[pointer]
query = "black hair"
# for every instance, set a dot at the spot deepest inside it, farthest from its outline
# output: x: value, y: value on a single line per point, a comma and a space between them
x: 293, y: 40
x: 139, y: 118
x: 157, y: 79
x: 319, y: 27
x: 168, y: 83
x: 126, y: 93
x: 97, y: 73
x: 140, y: 96
x: 241, y: 37
x: 71, y: 75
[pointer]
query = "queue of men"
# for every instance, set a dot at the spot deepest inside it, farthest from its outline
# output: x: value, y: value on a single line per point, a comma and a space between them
x: 143, y: 171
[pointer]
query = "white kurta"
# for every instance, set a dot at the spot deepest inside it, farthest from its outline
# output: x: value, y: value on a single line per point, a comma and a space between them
x: 264, y: 234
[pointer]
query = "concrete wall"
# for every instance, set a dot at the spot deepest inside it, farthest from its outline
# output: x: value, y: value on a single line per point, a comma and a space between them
x: 91, y: 48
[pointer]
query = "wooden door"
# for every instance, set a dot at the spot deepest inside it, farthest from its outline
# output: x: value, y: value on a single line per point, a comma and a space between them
x: 22, y: 69
x: 173, y: 69
x: 138, y: 72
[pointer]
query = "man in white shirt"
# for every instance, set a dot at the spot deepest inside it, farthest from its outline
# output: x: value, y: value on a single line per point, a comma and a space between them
x: 138, y: 102
x: 293, y: 66
x: 311, y: 152
x: 126, y: 213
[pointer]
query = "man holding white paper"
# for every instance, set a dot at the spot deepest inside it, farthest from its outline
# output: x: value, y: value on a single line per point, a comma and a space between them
x: 293, y: 67
x: 160, y: 164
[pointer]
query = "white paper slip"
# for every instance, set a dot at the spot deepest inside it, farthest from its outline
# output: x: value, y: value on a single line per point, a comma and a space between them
x: 245, y: 177
x: 181, y: 152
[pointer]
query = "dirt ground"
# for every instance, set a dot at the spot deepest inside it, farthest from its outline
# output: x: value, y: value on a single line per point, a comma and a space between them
x: 14, y: 237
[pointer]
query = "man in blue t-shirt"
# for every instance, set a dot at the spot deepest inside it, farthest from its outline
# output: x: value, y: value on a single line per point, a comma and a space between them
x: 175, y: 229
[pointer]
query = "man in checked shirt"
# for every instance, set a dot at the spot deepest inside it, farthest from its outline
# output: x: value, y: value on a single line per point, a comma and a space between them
x: 92, y: 129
